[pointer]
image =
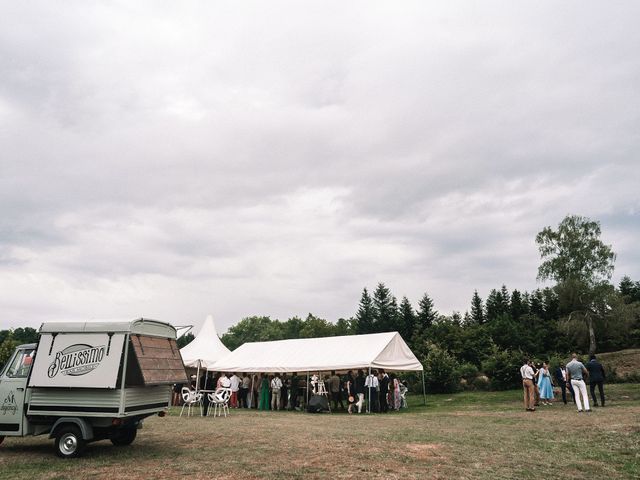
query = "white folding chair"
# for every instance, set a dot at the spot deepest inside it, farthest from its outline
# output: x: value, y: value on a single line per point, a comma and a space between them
x: 189, y: 399
x: 220, y: 401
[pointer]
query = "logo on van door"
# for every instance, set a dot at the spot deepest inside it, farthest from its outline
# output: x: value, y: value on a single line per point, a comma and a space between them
x: 76, y: 360
x: 9, y: 406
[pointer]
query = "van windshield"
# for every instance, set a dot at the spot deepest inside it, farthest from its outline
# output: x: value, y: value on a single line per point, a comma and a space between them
x: 21, y: 364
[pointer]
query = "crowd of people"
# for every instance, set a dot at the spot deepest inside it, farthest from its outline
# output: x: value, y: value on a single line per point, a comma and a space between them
x: 351, y: 392
x: 538, y: 383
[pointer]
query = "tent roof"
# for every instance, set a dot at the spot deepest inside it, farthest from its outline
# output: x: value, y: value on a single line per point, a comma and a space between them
x: 377, y: 350
x: 206, y: 348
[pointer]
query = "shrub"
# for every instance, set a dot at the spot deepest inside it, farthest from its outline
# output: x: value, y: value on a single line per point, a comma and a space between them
x: 481, y: 382
x: 441, y: 370
x: 503, y: 368
x: 468, y: 371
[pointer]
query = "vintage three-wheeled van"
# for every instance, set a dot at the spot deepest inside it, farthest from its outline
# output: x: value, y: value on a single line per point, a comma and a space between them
x: 84, y: 382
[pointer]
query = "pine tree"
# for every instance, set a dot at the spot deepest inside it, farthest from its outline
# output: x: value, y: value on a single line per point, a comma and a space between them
x: 505, y: 301
x: 426, y: 314
x: 365, y: 318
x: 536, y: 303
x: 493, y: 305
x: 385, y: 308
x: 518, y: 307
x: 407, y: 319
x: 477, y: 310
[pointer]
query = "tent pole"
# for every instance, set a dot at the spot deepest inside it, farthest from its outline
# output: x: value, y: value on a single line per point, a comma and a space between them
x: 307, y: 391
x: 370, y: 382
x: 424, y: 391
x: 250, y: 399
x: 198, y: 377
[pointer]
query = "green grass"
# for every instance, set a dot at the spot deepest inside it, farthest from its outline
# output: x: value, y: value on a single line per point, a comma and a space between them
x: 483, y: 435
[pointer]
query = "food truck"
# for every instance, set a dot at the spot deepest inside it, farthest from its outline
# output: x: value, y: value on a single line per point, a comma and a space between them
x: 89, y: 381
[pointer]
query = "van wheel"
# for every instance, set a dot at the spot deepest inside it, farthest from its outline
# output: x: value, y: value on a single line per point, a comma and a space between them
x: 1, y: 439
x: 126, y: 436
x: 69, y: 442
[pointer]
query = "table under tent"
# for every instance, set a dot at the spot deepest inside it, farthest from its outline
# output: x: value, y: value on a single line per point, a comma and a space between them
x: 386, y: 351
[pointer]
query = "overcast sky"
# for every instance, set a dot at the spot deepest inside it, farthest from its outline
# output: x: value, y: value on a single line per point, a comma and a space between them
x: 175, y: 159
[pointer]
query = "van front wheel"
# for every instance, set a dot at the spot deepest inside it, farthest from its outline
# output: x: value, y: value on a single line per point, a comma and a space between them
x: 69, y: 442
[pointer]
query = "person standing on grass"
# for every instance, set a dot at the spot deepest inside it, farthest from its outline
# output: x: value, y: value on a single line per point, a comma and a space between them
x: 276, y: 387
x: 544, y: 385
x: 563, y: 382
x: 384, y: 391
x: 596, y: 377
x: 395, y: 388
x: 235, y: 387
x: 294, y: 391
x: 334, y: 388
x: 245, y: 385
x: 284, y: 392
x: 372, y: 385
x: 263, y: 404
x: 349, y: 387
x: 576, y: 370
x: 526, y: 372
x: 360, y: 389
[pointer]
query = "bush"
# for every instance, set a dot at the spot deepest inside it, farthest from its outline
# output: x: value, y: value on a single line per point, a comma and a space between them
x: 481, y: 382
x: 441, y: 371
x: 468, y: 371
x: 503, y: 368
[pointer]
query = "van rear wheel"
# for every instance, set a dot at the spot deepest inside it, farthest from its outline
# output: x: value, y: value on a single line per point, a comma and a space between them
x: 69, y: 442
x: 1, y: 439
x: 123, y: 437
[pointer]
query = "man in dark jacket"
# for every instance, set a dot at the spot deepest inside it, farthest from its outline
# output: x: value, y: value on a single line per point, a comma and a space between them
x: 596, y: 377
x: 384, y: 390
x: 561, y: 381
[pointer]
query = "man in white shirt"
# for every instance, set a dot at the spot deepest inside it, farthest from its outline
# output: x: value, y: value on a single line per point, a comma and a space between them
x: 371, y: 384
x: 276, y: 386
x: 526, y: 372
x: 576, y: 370
x: 235, y: 386
x: 223, y: 381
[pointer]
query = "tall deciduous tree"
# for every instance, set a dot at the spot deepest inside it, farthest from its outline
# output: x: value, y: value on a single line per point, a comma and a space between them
x: 581, y: 264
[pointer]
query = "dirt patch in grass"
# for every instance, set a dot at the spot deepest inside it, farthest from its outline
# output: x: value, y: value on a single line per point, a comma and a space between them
x: 425, y: 451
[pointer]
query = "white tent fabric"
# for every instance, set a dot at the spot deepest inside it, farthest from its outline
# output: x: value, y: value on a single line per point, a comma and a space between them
x: 205, y: 349
x: 376, y: 350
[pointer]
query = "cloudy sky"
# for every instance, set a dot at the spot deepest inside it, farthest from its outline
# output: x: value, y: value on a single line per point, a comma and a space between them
x: 175, y: 159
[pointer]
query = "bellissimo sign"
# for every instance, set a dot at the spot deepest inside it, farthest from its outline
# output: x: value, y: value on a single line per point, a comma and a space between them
x: 84, y: 360
x: 76, y: 360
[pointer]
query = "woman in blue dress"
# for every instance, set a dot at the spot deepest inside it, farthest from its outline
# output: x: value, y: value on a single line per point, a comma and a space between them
x: 544, y: 385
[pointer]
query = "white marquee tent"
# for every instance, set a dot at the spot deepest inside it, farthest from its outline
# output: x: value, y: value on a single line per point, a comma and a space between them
x: 376, y: 350
x: 350, y: 352
x: 206, y: 349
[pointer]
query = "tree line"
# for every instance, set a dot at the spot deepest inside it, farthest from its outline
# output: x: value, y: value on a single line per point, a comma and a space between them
x: 496, y: 332
x: 581, y: 312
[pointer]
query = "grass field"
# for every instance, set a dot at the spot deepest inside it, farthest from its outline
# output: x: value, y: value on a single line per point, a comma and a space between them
x: 483, y: 435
